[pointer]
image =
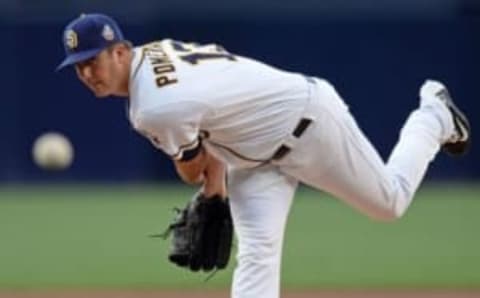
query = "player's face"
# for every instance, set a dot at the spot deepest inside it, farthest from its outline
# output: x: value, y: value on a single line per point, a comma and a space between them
x: 102, y: 74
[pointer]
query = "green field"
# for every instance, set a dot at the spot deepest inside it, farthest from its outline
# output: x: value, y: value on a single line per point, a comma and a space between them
x: 96, y: 237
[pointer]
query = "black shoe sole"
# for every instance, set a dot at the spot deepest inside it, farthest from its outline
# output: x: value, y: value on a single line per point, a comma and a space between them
x: 460, y: 120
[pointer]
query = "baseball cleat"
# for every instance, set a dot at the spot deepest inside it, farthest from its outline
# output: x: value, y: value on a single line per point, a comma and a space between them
x: 459, y: 143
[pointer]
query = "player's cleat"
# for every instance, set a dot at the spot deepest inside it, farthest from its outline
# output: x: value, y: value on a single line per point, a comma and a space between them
x: 459, y: 143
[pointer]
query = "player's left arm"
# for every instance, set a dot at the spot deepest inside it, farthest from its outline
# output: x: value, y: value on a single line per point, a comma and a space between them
x: 204, y: 168
x: 192, y: 169
x: 174, y: 128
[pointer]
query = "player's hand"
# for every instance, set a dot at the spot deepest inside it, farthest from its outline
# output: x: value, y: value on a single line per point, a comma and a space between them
x: 202, y: 234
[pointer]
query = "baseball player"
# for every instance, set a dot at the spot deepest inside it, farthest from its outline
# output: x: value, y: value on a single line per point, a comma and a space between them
x: 216, y: 113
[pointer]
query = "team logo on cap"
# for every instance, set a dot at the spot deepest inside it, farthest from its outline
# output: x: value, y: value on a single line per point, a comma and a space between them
x: 71, y: 39
x: 108, y: 33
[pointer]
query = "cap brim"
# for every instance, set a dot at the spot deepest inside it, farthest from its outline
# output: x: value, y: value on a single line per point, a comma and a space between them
x: 78, y: 57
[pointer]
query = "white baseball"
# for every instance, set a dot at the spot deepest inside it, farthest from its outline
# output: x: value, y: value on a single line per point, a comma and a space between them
x: 52, y: 151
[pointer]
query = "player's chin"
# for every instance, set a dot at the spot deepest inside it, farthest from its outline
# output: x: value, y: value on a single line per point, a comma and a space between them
x: 101, y: 93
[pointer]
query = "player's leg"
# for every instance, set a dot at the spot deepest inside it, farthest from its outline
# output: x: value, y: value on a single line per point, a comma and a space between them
x: 260, y: 201
x: 435, y: 124
x: 335, y: 156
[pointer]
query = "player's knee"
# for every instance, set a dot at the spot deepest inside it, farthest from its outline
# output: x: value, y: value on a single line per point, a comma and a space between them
x: 388, y: 215
x: 260, y: 253
x: 258, y: 259
x: 396, y: 203
x: 393, y: 211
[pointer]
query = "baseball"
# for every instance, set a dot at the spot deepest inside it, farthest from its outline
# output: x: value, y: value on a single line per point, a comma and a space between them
x: 52, y: 151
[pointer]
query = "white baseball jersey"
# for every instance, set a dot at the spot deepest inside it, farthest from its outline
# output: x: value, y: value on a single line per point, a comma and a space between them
x: 242, y: 108
x: 245, y: 110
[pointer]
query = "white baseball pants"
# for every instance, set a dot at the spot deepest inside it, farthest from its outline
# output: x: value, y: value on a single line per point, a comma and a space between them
x: 333, y: 155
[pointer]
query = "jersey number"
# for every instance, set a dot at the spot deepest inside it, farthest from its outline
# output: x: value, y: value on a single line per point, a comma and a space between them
x: 194, y: 53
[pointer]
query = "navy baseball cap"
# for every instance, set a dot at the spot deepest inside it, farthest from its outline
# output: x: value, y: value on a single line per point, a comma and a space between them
x: 86, y: 36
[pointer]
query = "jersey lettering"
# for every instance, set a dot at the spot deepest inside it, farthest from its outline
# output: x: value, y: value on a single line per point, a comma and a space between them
x: 163, y: 67
x: 194, y: 53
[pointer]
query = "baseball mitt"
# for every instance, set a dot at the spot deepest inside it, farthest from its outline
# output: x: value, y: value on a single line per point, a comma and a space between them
x: 202, y: 234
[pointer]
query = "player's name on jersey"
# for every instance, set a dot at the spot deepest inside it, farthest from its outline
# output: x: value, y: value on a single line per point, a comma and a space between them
x: 162, y: 66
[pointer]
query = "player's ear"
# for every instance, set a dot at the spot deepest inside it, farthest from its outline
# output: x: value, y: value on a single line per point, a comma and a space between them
x: 121, y: 51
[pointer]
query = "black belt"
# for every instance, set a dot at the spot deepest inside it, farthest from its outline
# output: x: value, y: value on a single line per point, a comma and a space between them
x: 297, y: 132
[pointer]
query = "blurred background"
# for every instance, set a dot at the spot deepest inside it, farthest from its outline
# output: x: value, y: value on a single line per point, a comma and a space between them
x: 94, y: 216
x: 377, y: 54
